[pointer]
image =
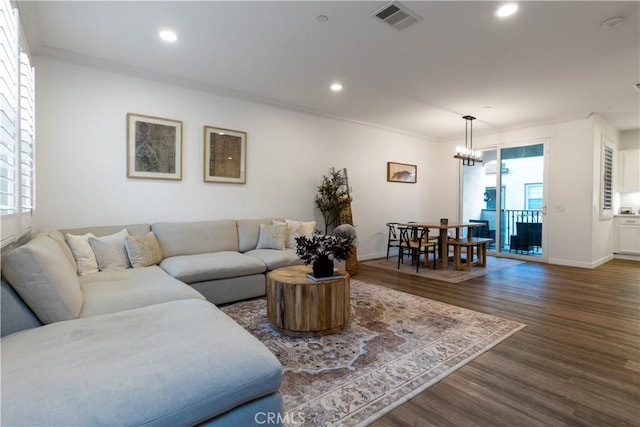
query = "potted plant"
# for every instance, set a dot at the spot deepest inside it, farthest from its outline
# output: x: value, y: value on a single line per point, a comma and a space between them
x: 320, y: 250
x: 332, y: 198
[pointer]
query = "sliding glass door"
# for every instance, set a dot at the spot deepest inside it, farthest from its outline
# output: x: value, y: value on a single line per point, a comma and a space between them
x: 506, y: 195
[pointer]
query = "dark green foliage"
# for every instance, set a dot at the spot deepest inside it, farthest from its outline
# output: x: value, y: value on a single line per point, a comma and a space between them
x: 332, y: 197
x: 309, y: 249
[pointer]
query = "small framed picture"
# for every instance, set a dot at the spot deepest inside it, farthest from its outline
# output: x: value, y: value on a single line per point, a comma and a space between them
x: 154, y: 147
x: 402, y: 172
x: 225, y: 155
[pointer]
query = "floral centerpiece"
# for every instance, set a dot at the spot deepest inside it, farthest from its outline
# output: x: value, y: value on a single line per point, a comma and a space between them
x: 320, y: 250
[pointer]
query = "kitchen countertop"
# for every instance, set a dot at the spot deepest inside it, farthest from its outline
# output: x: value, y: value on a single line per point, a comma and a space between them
x: 628, y: 215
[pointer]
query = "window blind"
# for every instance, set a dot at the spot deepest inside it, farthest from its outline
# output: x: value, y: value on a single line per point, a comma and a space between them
x: 9, y: 107
x: 17, y: 130
x: 27, y: 131
x: 607, y: 179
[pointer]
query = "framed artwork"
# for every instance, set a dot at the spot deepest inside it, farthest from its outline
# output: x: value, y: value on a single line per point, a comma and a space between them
x: 225, y: 155
x: 402, y: 172
x: 154, y: 147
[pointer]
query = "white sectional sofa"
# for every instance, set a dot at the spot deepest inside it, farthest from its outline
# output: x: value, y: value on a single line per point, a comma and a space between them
x: 144, y: 345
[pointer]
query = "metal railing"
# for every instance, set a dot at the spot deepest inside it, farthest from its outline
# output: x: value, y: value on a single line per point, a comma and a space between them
x: 509, y: 218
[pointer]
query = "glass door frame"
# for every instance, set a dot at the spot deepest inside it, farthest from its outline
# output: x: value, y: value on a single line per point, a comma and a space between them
x: 495, y: 251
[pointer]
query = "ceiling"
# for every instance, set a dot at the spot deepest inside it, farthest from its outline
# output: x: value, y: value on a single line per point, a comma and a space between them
x: 551, y: 61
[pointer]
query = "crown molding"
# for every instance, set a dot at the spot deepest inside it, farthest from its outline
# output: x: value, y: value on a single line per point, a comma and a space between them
x: 29, y: 28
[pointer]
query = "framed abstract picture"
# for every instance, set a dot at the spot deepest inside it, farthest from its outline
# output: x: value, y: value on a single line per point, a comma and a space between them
x: 402, y: 172
x: 225, y: 155
x: 154, y: 147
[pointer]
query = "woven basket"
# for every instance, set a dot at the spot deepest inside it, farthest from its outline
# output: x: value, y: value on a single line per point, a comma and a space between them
x: 351, y: 263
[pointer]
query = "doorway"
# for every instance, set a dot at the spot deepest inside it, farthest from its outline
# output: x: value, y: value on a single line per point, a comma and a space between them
x: 513, y: 216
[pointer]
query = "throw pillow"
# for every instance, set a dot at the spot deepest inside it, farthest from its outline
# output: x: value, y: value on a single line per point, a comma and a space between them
x: 110, y: 251
x: 272, y: 237
x: 82, y: 252
x: 143, y: 250
x: 290, y: 239
x: 297, y: 229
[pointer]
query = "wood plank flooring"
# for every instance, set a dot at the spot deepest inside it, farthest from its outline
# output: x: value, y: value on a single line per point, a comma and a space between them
x: 576, y: 363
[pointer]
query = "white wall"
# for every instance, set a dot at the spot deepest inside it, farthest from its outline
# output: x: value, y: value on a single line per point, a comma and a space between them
x: 81, y: 158
x: 568, y: 223
x: 629, y: 140
x: 602, y: 246
x: 81, y: 164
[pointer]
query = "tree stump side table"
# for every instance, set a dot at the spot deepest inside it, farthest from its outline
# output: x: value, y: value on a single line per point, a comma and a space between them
x: 298, y: 306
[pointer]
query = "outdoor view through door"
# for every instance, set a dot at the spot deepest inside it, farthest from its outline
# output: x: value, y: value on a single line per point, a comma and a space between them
x: 513, y: 215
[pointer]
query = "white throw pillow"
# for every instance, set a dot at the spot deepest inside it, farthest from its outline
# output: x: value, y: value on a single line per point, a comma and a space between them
x: 143, y: 250
x: 297, y: 229
x: 272, y: 236
x: 82, y: 252
x: 111, y: 251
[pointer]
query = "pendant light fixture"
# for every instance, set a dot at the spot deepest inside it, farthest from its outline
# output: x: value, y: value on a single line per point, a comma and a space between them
x: 467, y: 154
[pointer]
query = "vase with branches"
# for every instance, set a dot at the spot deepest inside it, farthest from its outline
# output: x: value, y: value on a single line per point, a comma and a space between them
x: 332, y: 198
x: 320, y: 250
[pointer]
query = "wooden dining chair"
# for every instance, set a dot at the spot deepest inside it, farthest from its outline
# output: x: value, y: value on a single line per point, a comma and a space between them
x: 414, y: 241
x: 394, y: 237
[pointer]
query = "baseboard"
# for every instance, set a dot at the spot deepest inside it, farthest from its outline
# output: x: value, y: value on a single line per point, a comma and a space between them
x: 627, y: 257
x: 365, y: 257
x: 579, y: 264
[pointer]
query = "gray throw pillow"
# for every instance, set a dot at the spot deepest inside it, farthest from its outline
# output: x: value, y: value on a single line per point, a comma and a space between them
x: 272, y: 236
x: 110, y: 251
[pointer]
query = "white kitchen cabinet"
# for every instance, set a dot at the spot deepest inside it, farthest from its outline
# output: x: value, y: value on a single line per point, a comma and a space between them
x: 627, y: 235
x: 629, y: 171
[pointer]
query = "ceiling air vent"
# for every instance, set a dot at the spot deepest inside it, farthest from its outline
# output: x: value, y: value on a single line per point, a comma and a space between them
x: 397, y: 15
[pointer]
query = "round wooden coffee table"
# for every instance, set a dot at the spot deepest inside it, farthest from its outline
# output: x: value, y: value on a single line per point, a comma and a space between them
x: 299, y: 306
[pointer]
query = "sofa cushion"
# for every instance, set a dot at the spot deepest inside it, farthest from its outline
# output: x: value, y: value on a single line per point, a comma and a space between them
x: 222, y: 291
x: 217, y: 265
x: 178, y: 363
x: 118, y: 290
x: 110, y: 251
x: 59, y: 239
x: 143, y: 250
x: 40, y: 273
x: 274, y: 258
x: 272, y: 236
x: 105, y: 230
x: 249, y: 231
x: 188, y: 238
x: 82, y: 252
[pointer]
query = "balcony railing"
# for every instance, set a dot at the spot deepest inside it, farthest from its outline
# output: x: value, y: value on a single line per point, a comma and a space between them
x: 509, y: 218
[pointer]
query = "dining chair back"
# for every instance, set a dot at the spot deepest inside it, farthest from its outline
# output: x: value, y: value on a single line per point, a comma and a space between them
x: 393, y: 240
x: 414, y: 241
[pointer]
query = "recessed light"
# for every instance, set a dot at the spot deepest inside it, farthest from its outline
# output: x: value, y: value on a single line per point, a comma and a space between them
x: 336, y: 87
x: 506, y: 10
x: 168, y: 35
x: 322, y: 18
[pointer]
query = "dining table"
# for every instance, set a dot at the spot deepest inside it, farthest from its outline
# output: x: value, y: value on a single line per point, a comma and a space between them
x: 443, y: 235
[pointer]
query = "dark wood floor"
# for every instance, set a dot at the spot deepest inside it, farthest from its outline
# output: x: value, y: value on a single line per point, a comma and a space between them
x: 576, y: 363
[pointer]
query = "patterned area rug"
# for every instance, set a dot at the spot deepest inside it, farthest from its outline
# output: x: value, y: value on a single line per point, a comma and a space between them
x: 450, y: 275
x: 395, y: 346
